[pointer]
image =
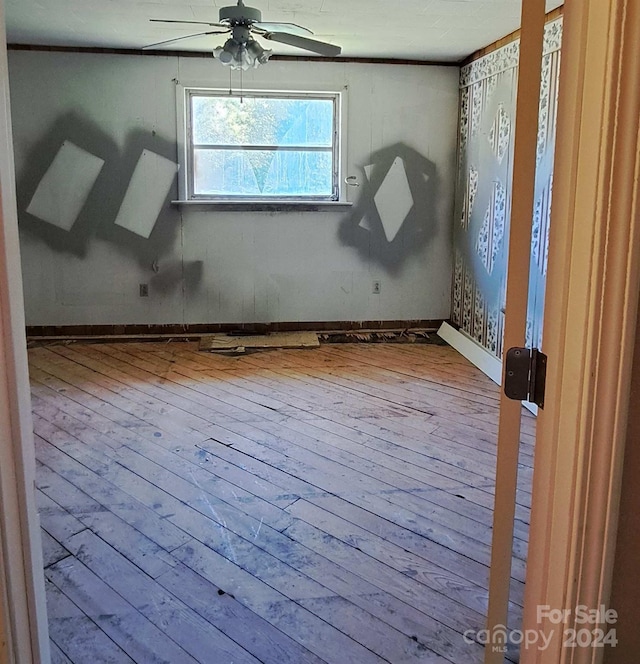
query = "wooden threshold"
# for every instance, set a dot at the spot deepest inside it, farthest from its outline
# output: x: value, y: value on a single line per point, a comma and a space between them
x: 301, y: 506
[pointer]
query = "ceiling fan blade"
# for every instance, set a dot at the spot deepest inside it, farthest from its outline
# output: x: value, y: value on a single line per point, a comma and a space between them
x: 291, y: 28
x: 322, y: 48
x: 167, y: 20
x: 175, y: 39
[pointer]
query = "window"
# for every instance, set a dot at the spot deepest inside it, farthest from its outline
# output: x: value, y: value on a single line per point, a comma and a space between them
x: 265, y: 146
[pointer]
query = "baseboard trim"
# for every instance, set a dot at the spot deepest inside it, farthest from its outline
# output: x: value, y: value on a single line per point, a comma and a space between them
x: 480, y: 357
x: 473, y: 351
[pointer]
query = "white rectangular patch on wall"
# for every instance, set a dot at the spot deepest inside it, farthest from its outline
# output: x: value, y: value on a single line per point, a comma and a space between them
x: 147, y: 191
x: 65, y: 187
x: 394, y: 199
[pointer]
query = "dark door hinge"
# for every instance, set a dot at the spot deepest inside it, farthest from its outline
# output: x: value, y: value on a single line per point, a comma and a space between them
x: 525, y: 375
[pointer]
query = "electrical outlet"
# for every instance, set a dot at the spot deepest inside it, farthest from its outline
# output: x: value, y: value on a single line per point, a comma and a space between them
x: 144, y: 290
x: 376, y: 288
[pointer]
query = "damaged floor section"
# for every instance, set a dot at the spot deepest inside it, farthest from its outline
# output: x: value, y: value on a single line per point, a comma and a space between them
x: 240, y: 344
x: 326, y: 505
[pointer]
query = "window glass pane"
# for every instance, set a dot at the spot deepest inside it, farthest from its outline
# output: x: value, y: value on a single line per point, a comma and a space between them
x: 262, y: 173
x: 260, y: 121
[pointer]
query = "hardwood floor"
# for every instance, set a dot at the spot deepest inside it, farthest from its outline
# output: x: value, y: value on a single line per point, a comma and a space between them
x: 330, y: 505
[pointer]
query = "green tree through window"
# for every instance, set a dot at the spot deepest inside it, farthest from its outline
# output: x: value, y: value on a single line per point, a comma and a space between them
x: 263, y: 146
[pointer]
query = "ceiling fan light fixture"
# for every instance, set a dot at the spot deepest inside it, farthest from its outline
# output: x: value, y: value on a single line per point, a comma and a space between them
x: 228, y: 53
x: 238, y: 55
x: 259, y: 54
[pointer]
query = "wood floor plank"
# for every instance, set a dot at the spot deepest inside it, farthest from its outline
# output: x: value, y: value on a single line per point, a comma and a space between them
x: 429, y: 520
x: 237, y: 480
x: 421, y: 546
x: 188, y: 463
x: 52, y: 550
x: 195, y: 495
x: 55, y: 520
x: 450, y: 372
x: 254, y: 633
x: 391, y: 555
x: 162, y: 609
x: 384, y: 383
x: 76, y: 635
x: 307, y: 400
x: 139, y: 638
x: 342, y: 458
x: 474, y: 383
x: 121, y: 396
x: 488, y: 499
x: 489, y: 462
x: 57, y: 656
x: 383, y: 504
x: 92, y: 405
x: 237, y: 546
x: 61, y: 486
x: 300, y: 622
x: 294, y: 507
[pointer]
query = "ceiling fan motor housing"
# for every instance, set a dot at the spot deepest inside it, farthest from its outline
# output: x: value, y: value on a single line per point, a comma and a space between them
x: 241, y: 34
x: 240, y: 15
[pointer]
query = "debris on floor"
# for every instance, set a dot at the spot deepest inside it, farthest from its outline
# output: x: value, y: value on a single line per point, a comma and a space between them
x: 224, y: 343
x: 408, y: 336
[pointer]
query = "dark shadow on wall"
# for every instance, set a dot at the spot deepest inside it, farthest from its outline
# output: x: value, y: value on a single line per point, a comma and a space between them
x: 173, y: 272
x: 97, y: 216
x: 364, y: 229
x: 89, y: 137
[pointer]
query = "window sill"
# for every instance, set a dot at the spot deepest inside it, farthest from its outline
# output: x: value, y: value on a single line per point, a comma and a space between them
x: 264, y: 206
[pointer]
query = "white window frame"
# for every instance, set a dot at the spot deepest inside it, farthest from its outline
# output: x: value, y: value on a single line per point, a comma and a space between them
x: 185, y: 144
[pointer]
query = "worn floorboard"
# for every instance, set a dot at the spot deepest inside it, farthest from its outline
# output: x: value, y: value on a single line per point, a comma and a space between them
x: 294, y: 506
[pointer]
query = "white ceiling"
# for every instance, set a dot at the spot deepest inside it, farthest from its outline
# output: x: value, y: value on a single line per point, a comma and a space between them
x: 441, y: 30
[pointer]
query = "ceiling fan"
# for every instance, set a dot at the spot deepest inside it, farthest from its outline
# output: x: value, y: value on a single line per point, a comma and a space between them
x: 241, y: 50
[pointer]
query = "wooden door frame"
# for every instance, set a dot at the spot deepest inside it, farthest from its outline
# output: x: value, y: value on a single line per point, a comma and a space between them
x: 23, y: 615
x: 517, y: 295
x: 590, y: 319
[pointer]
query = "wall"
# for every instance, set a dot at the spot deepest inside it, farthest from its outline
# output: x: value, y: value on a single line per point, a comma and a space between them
x: 483, y: 194
x: 214, y: 266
